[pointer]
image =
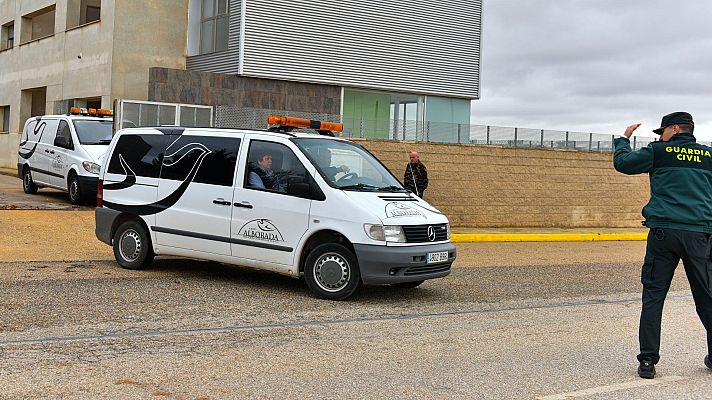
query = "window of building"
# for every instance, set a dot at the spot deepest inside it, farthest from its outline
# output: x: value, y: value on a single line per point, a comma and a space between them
x: 5, y: 117
x: 213, y: 26
x: 8, y: 36
x: 81, y: 12
x: 38, y: 24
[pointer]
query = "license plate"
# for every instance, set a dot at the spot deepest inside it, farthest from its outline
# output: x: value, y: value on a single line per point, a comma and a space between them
x: 436, y: 257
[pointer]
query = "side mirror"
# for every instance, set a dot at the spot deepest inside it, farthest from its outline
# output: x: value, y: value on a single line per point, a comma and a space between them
x: 61, y: 141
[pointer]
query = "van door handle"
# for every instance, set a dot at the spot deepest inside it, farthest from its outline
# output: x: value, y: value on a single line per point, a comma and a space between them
x: 49, y: 151
x: 243, y: 205
x: 221, y: 202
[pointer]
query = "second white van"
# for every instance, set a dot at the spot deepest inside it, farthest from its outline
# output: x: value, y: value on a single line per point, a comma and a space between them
x: 65, y: 152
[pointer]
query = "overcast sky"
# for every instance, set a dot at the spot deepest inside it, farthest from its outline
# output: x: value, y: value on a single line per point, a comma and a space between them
x: 595, y: 65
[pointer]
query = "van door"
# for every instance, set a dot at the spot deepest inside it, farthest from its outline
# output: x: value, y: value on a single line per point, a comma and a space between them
x: 44, y: 132
x: 268, y: 219
x: 61, y: 160
x: 196, y: 188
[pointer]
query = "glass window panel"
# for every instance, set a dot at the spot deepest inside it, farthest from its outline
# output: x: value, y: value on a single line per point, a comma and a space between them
x: 208, y: 8
x: 202, y: 117
x: 222, y: 6
x: 166, y: 115
x: 5, y: 118
x: 149, y: 115
x: 130, y: 117
x: 187, y: 116
x: 206, y: 37
x: 221, y: 34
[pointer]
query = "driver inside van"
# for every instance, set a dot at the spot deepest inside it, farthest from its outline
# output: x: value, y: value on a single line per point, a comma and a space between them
x: 323, y: 158
x: 261, y: 174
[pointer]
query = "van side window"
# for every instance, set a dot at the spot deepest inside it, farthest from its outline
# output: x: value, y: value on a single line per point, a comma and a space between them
x: 64, y: 136
x: 142, y: 153
x: 272, y: 167
x: 214, y: 158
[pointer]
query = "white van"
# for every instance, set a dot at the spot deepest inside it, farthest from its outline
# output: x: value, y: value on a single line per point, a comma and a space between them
x: 298, y: 204
x: 64, y: 152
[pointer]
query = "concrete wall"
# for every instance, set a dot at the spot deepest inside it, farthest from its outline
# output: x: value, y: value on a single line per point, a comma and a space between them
x: 194, y: 87
x: 148, y: 33
x: 487, y: 186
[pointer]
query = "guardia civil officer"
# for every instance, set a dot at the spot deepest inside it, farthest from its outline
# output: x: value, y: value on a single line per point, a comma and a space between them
x: 679, y: 215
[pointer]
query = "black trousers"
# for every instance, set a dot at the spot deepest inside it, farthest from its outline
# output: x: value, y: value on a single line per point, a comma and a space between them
x: 666, y: 247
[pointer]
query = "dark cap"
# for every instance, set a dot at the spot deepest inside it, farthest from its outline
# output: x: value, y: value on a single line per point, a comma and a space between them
x: 676, y: 118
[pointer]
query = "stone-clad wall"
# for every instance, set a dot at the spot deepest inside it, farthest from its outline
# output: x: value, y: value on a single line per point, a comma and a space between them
x: 488, y: 186
x: 194, y: 87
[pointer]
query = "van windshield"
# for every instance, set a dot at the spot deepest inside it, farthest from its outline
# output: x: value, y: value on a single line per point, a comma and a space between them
x: 93, y: 131
x: 348, y: 166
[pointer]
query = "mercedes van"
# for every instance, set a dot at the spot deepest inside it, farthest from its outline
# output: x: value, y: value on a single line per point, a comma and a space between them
x: 65, y: 152
x: 300, y: 204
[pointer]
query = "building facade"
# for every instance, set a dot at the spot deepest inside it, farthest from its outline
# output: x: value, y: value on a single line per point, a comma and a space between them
x: 370, y: 63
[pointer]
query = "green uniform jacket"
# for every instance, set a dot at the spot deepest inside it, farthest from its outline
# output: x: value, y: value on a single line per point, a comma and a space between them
x: 680, y: 173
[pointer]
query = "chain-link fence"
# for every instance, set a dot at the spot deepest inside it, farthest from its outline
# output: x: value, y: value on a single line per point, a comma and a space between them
x: 431, y: 131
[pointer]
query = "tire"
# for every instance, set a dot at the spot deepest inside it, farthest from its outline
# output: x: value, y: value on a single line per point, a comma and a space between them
x: 331, y: 272
x: 407, y: 285
x: 28, y: 185
x: 132, y: 246
x: 75, y: 191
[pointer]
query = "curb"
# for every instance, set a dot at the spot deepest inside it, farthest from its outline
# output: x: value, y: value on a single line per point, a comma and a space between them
x: 545, y: 237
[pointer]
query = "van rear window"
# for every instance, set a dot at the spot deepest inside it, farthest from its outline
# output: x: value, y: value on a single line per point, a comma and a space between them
x: 142, y: 153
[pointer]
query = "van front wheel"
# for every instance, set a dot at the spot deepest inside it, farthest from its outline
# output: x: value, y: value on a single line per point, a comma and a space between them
x: 331, y: 272
x: 28, y: 185
x: 132, y: 246
x: 74, y: 190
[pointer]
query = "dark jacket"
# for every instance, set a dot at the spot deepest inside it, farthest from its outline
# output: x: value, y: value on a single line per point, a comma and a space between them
x: 680, y: 173
x: 415, y: 178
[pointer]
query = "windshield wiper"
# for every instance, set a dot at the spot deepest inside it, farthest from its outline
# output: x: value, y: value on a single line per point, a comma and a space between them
x: 392, y: 188
x: 359, y: 186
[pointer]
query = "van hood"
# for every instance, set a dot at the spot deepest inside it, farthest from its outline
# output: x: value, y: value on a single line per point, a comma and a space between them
x: 398, y: 208
x: 96, y: 152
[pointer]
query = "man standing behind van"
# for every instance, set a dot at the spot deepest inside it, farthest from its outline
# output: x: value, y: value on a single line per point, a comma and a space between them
x: 415, y: 178
x: 679, y: 215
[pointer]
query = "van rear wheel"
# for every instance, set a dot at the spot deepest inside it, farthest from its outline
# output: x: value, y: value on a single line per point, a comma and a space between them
x: 331, y: 272
x: 132, y: 246
x: 28, y: 185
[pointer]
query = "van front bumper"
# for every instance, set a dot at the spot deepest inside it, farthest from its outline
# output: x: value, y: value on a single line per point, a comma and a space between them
x: 88, y: 185
x: 384, y: 265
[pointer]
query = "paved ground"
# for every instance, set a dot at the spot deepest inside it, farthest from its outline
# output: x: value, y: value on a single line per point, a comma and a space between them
x: 513, y: 321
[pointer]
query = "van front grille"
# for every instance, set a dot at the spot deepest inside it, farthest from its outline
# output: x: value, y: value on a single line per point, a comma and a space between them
x: 419, y: 233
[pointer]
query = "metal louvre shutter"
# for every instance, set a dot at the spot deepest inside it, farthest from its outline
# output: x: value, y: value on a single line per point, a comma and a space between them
x: 430, y: 47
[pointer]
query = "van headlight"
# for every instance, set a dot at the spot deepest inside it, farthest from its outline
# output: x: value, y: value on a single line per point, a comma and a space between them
x: 448, y: 231
x: 91, y: 167
x: 388, y: 233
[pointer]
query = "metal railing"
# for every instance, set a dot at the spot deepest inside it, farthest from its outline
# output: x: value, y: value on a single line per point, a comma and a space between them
x: 439, y: 132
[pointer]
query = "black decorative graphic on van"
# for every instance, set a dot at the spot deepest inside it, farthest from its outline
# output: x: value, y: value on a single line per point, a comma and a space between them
x: 261, y: 229
x: 171, y: 199
x: 129, y: 181
x: 39, y: 129
x: 396, y: 210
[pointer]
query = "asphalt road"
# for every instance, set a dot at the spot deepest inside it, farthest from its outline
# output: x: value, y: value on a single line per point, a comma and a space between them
x: 513, y: 321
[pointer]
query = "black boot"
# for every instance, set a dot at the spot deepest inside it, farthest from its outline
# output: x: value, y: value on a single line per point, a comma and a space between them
x: 647, y: 369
